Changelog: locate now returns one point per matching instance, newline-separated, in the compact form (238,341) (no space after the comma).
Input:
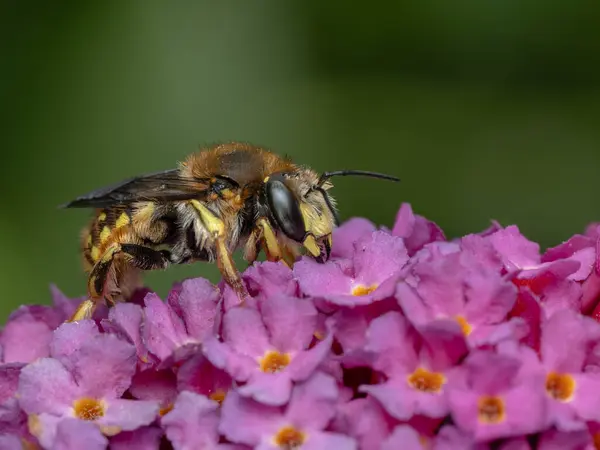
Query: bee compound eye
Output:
(285,209)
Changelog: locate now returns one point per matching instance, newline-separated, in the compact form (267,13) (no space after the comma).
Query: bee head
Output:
(299,212)
(298,205)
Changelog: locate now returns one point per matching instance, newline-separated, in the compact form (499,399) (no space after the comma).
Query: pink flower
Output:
(457,287)
(28,333)
(269,351)
(495,395)
(401,340)
(174,330)
(370,275)
(193,422)
(299,425)
(415,365)
(571,383)
(85,378)
(415,230)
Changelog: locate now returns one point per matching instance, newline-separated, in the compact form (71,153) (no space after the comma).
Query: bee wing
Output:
(164,185)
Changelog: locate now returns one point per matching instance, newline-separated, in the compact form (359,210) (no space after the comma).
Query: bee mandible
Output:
(220,199)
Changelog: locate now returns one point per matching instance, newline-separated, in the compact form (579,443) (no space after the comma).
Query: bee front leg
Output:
(216,228)
(272,247)
(113,265)
(270,243)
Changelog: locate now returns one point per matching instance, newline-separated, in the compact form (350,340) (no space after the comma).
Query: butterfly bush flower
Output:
(370,274)
(300,425)
(403,339)
(176,328)
(496,395)
(269,350)
(84,379)
(415,366)
(572,380)
(458,287)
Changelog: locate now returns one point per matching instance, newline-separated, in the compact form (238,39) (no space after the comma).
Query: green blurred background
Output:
(485,109)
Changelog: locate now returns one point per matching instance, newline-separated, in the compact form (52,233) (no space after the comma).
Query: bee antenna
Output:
(326,175)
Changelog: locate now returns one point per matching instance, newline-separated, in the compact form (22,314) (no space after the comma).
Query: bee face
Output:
(303,213)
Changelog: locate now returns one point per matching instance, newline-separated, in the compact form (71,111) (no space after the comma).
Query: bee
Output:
(223,198)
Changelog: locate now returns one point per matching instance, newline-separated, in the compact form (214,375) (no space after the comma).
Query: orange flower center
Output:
(88,408)
(28,445)
(596,440)
(560,387)
(363,290)
(289,438)
(490,409)
(166,410)
(274,362)
(423,380)
(464,325)
(218,396)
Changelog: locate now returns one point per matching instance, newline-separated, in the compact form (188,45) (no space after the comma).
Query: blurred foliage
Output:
(486,110)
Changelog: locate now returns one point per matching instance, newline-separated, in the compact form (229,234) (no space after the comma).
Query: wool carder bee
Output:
(222,198)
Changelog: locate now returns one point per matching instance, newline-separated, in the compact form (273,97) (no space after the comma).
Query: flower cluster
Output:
(404,339)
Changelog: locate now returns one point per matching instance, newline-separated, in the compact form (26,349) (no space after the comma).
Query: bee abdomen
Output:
(101,231)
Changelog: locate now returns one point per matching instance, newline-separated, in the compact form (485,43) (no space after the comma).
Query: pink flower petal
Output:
(415,230)
(74,434)
(10,442)
(517,251)
(313,403)
(566,337)
(364,420)
(393,343)
(163,331)
(156,385)
(347,234)
(413,307)
(320,440)
(304,363)
(146,438)
(103,366)
(25,339)
(268,388)
(192,423)
(557,440)
(9,380)
(200,376)
(443,345)
(64,305)
(291,322)
(319,280)
(128,415)
(46,386)
(451,438)
(128,318)
(196,303)
(239,367)
(244,331)
(266,279)
(403,437)
(245,421)
(378,257)
(70,337)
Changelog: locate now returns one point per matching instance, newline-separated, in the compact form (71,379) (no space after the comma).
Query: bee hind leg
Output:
(216,228)
(112,269)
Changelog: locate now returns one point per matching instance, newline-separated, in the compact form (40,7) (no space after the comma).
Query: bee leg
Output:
(129,256)
(270,243)
(216,228)
(253,246)
(275,251)
(290,254)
